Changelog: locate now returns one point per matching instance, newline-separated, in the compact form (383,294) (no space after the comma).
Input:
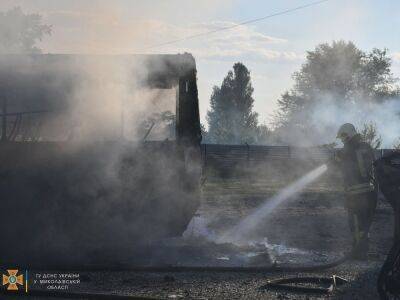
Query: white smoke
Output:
(328,114)
(323,118)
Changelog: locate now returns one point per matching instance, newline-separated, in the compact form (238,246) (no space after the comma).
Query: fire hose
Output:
(266,269)
(388,177)
(286,284)
(279,283)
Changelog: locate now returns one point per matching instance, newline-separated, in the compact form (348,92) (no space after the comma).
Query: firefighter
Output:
(355,161)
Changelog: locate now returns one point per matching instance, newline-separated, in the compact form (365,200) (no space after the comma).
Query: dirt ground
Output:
(309,229)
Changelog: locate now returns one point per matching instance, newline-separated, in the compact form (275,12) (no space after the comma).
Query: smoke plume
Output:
(327,114)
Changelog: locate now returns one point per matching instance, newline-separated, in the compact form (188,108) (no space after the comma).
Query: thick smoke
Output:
(111,101)
(86,98)
(97,182)
(91,183)
(327,114)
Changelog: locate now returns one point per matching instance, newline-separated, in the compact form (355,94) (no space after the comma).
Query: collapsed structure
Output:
(77,188)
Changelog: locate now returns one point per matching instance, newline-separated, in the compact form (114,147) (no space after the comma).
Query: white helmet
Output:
(346,131)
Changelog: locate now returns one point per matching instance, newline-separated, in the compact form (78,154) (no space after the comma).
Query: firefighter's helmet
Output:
(346,131)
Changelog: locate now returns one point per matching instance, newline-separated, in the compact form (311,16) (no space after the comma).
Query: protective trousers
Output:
(361,208)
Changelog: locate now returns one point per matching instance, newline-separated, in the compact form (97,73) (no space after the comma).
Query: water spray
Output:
(239,232)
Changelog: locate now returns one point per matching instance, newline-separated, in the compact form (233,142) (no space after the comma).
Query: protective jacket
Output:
(356,159)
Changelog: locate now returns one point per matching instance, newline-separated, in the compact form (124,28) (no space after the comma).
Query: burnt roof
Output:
(46,80)
(162,70)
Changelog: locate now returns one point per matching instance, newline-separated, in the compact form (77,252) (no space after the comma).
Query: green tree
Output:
(204,134)
(341,71)
(231,118)
(19,32)
(263,134)
(396,144)
(369,134)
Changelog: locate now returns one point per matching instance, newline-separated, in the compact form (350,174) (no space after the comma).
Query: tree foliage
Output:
(396,144)
(231,118)
(341,71)
(369,134)
(19,32)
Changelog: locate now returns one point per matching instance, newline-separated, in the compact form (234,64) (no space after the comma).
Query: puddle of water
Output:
(280,251)
(198,230)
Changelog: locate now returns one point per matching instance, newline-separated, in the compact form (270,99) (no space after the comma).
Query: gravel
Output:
(309,229)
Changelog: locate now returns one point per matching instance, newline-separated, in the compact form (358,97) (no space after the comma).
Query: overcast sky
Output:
(272,49)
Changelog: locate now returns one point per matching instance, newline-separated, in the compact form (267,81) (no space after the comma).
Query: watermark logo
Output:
(12,280)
